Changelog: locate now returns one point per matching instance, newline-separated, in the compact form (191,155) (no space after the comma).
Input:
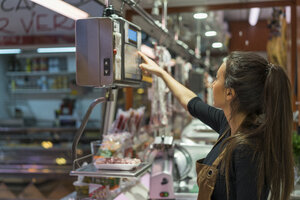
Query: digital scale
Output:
(107,52)
(106,57)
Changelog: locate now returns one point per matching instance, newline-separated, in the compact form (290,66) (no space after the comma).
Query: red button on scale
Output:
(115,51)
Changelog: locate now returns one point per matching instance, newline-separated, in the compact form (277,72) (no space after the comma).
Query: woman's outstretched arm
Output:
(182,94)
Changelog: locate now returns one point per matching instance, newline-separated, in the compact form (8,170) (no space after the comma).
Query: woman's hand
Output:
(149,66)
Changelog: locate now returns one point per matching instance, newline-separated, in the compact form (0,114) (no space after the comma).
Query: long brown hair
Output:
(263,94)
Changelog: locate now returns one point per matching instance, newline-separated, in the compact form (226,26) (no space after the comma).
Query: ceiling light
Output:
(200,15)
(56,50)
(63,8)
(253,16)
(217,45)
(210,33)
(10,51)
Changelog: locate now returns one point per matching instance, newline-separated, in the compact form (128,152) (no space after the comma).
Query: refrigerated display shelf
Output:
(39,91)
(39,73)
(37,147)
(34,170)
(44,129)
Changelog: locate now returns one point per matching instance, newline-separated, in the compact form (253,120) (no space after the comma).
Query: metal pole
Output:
(164,14)
(109,109)
(83,124)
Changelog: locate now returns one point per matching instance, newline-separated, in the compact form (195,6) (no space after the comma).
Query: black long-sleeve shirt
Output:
(243,172)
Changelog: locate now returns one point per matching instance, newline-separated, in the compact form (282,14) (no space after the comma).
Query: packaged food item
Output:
(120,124)
(128,121)
(117,163)
(82,188)
(99,192)
(118,142)
(110,183)
(112,145)
(35,64)
(114,183)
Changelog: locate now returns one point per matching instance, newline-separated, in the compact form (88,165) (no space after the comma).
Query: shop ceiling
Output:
(180,20)
(180,3)
(231,10)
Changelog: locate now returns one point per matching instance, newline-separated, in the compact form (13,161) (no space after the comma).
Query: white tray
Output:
(116,166)
(91,171)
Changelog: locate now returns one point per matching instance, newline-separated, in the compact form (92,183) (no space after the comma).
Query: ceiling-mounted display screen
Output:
(107,53)
(132,35)
(131,65)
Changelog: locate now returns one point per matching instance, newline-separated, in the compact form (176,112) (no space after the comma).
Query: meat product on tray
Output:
(117,163)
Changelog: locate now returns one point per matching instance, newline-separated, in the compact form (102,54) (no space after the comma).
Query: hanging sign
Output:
(24,22)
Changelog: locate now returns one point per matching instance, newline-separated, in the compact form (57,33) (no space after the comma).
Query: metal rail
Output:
(168,40)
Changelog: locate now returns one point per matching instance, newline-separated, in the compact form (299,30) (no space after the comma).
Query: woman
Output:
(253,155)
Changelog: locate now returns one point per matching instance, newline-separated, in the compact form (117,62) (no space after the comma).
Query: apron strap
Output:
(222,136)
(219,158)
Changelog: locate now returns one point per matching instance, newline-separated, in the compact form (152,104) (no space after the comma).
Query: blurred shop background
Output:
(41,107)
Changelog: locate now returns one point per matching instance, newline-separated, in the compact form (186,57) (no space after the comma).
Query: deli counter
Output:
(40,150)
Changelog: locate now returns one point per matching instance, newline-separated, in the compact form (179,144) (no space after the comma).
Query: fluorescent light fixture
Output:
(56,50)
(217,45)
(63,8)
(288,14)
(200,15)
(253,16)
(10,51)
(210,33)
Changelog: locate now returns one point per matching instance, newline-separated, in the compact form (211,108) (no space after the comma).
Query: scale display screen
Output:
(132,35)
(131,65)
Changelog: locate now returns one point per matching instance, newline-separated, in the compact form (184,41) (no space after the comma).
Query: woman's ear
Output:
(230,94)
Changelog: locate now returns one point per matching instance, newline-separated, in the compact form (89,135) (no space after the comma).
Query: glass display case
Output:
(41,149)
